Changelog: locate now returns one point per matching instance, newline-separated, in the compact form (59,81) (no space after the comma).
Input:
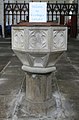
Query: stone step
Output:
(5,42)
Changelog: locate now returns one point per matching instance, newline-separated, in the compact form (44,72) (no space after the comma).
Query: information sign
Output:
(37,12)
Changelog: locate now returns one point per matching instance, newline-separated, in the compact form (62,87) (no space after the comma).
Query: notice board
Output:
(37,12)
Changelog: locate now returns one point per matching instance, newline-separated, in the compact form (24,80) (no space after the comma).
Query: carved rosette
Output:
(18,37)
(59,40)
(38,39)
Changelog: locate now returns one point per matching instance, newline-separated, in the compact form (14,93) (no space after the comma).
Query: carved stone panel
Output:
(59,39)
(37,60)
(38,39)
(18,36)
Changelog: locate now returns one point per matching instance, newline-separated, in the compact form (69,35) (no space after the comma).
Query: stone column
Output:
(39,98)
(78,20)
(2,16)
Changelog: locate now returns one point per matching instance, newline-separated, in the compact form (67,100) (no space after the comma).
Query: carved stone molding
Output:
(38,60)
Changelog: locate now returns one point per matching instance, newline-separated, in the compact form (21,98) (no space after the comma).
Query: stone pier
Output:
(39,93)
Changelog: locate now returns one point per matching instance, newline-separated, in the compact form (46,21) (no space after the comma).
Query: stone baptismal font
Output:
(39,45)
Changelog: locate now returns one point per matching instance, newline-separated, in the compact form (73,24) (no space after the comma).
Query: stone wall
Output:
(1,13)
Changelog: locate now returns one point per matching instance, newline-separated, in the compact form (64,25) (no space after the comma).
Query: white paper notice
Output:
(37,12)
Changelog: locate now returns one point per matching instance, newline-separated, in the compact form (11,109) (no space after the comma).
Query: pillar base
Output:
(41,108)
